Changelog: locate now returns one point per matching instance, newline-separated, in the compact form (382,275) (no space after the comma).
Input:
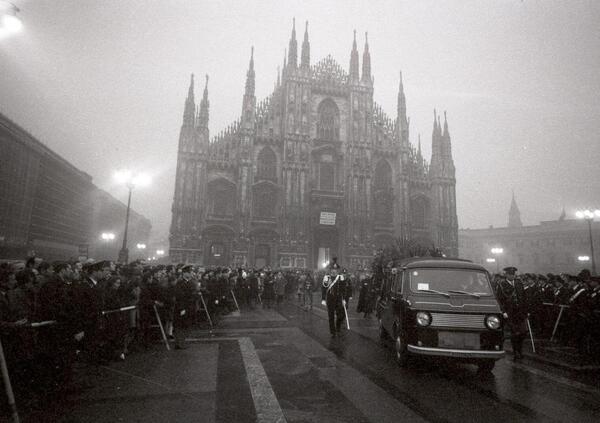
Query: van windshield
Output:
(450,281)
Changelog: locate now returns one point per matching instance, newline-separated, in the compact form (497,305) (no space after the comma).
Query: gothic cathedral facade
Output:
(315,170)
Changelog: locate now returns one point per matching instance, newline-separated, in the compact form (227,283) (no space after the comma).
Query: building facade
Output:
(48,207)
(45,204)
(551,247)
(315,170)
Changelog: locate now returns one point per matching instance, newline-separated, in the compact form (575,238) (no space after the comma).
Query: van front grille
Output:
(466,321)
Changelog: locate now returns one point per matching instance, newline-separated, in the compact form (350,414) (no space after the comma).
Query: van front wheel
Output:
(400,350)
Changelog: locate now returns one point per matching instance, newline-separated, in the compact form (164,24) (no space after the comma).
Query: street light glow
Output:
(141,180)
(107,236)
(141,246)
(587,214)
(490,260)
(497,250)
(9,22)
(160,252)
(126,176)
(583,258)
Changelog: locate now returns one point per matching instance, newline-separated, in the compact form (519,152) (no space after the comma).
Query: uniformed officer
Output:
(185,306)
(334,294)
(512,299)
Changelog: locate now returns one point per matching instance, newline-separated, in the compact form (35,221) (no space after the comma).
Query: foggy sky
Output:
(103,83)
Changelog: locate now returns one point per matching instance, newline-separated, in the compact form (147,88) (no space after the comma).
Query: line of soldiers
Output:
(79,305)
(539,298)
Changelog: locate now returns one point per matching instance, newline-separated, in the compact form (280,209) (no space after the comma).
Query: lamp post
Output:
(130,180)
(497,251)
(588,215)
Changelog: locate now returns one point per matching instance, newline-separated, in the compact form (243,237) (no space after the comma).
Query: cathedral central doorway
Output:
(262,256)
(325,246)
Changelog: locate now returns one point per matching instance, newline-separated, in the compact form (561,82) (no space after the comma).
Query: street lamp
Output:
(141,246)
(497,251)
(589,215)
(130,180)
(9,21)
(160,252)
(583,258)
(490,260)
(107,236)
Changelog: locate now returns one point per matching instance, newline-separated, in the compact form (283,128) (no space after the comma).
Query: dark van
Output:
(442,307)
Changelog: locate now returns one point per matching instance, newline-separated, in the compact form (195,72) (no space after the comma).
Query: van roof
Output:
(440,263)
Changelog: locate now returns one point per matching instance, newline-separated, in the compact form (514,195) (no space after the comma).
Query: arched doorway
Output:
(262,255)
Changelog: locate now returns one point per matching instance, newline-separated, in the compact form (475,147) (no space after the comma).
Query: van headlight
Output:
(423,318)
(493,322)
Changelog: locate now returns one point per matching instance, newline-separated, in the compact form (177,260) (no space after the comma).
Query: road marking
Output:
(265,402)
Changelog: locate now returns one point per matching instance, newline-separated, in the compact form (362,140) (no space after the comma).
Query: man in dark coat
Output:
(512,299)
(335,295)
(185,306)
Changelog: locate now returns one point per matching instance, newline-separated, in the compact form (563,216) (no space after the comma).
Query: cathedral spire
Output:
(203,113)
(354,60)
(250,76)
(563,215)
(401,116)
(190,106)
(249,101)
(366,66)
(514,215)
(278,77)
(293,48)
(446,134)
(305,57)
(419,152)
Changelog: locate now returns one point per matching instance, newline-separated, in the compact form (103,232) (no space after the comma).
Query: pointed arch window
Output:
(266,167)
(383,193)
(419,210)
(264,202)
(328,123)
(221,199)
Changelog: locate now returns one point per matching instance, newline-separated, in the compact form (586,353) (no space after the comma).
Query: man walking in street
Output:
(334,294)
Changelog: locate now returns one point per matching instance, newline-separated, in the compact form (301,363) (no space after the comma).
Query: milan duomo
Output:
(315,170)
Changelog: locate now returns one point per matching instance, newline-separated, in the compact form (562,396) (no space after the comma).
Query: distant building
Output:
(550,247)
(47,205)
(315,170)
(108,216)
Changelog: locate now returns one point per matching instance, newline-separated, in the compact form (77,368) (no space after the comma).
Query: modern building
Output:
(315,170)
(48,207)
(45,203)
(555,246)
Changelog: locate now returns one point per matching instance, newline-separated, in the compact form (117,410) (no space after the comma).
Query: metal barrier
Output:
(560,313)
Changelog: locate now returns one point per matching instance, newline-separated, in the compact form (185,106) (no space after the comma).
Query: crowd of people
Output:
(579,298)
(55,314)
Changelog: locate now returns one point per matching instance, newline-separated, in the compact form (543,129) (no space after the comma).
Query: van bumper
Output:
(446,352)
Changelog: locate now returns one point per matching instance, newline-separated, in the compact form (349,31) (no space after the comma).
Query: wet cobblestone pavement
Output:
(281,365)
